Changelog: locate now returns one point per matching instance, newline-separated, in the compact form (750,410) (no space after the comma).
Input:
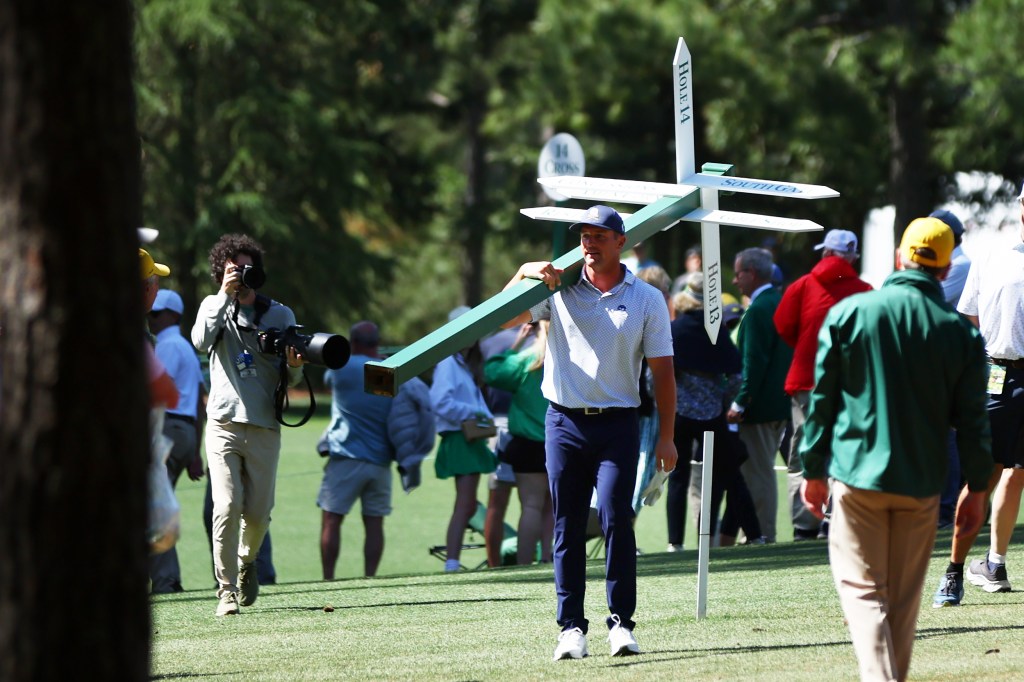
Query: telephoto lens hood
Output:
(330,350)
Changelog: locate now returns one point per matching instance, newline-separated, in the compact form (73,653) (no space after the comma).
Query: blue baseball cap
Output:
(601,216)
(731,312)
(950,219)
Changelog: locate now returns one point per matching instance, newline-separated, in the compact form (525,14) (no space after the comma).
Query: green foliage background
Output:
(381,151)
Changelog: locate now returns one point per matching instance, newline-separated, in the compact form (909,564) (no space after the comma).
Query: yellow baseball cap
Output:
(927,241)
(150,268)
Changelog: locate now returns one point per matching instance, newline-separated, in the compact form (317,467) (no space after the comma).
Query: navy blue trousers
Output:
(583,452)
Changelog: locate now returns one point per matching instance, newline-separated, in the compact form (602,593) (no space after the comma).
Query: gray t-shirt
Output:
(242,379)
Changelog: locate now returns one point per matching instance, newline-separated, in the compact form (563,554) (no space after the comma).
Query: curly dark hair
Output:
(229,246)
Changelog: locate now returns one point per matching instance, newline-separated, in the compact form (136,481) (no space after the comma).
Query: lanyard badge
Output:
(246,364)
(996,379)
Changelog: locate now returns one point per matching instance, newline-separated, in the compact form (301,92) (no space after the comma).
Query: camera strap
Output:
(281,397)
(262,305)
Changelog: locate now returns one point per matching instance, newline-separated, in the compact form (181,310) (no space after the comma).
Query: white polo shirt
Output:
(994,293)
(597,341)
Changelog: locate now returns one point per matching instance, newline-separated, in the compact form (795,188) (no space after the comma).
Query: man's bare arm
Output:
(542,270)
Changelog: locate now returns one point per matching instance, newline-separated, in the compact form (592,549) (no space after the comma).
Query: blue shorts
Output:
(347,480)
(1006,416)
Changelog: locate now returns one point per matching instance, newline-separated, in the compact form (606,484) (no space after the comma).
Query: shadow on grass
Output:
(742,558)
(435,602)
(933,633)
(663,655)
(337,587)
(189,676)
(944,541)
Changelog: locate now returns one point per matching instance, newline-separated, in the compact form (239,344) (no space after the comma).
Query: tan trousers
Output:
(762,441)
(243,474)
(879,545)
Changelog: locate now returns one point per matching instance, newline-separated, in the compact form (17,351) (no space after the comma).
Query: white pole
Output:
(704,543)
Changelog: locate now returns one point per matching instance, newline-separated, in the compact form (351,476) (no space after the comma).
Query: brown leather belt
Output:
(1012,364)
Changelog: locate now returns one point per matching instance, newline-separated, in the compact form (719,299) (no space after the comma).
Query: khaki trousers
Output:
(762,442)
(879,545)
(242,459)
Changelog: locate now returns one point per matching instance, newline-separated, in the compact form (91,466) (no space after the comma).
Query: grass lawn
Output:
(772,610)
(418,520)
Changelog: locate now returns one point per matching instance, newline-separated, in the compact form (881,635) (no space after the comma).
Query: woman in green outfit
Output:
(520,373)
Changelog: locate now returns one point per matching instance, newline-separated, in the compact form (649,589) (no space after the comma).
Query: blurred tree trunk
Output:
(73,430)
(473,224)
(182,245)
(911,172)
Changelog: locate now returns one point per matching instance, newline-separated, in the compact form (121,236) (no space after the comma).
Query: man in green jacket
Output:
(762,406)
(896,368)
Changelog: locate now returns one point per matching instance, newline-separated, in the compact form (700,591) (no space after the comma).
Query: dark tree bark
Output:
(911,175)
(473,224)
(73,425)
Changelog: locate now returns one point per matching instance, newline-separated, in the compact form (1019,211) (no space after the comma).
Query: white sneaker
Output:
(674,548)
(228,604)
(622,640)
(572,643)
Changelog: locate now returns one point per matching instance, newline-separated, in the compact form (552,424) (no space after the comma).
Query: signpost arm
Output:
(683,89)
(711,257)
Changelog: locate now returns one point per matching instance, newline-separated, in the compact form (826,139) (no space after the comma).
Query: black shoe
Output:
(804,534)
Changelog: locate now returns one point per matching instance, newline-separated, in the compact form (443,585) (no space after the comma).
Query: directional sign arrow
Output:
(607,189)
(711,260)
(755,220)
(561,215)
(682,87)
(777,188)
(643,192)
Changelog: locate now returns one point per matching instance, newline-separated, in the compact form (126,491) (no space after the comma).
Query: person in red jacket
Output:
(798,320)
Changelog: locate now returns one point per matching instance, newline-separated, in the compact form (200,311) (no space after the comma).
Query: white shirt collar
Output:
(757,291)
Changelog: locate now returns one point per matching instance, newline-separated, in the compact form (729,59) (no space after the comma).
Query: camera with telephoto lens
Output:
(253,276)
(330,350)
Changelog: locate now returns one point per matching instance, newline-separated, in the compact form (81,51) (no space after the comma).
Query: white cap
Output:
(841,241)
(147,234)
(168,300)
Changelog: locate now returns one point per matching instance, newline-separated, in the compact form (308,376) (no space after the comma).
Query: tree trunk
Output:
(474,219)
(73,423)
(910,168)
(184,250)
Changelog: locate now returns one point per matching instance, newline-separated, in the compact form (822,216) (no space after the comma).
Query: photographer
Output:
(243,436)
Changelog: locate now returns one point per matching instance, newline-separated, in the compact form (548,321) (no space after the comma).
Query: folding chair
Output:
(474,539)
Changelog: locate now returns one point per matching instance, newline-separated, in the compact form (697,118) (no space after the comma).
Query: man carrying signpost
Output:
(693,197)
(602,327)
